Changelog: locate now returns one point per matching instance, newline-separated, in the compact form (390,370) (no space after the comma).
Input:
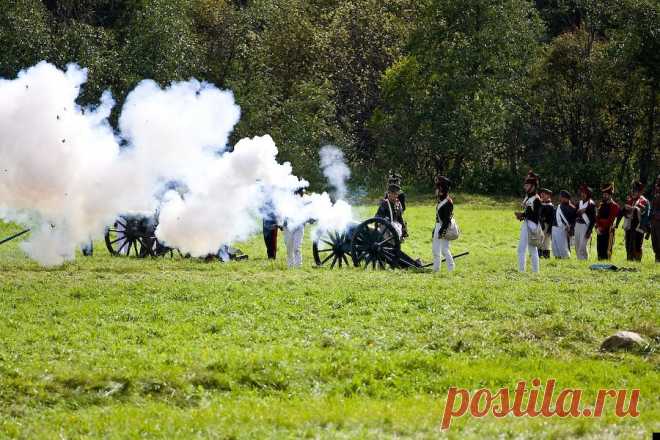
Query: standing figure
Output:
(633,214)
(395,179)
(293,239)
(270,227)
(547,214)
(606,215)
(584,223)
(390,208)
(563,225)
(444,211)
(87,249)
(530,230)
(655,219)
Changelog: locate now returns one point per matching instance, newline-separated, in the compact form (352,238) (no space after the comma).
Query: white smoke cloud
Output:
(63,173)
(55,160)
(335,169)
(225,200)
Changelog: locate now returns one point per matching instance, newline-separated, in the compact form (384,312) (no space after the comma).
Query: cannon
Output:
(136,235)
(373,243)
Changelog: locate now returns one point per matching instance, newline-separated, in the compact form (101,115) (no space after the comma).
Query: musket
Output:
(453,256)
(14,236)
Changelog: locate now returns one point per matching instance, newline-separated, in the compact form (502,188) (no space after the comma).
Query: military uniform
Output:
(530,218)
(270,227)
(394,213)
(563,224)
(545,218)
(444,211)
(395,179)
(633,213)
(293,238)
(584,223)
(606,215)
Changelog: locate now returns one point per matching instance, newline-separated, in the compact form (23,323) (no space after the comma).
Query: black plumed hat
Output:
(533,178)
(586,189)
(442,184)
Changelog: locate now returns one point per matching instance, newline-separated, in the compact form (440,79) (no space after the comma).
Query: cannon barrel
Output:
(14,236)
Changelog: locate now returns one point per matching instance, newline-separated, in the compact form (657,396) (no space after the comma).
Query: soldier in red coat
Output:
(633,214)
(606,215)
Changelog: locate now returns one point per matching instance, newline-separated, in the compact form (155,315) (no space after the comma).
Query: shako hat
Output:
(393,187)
(586,189)
(607,188)
(532,178)
(393,178)
(442,182)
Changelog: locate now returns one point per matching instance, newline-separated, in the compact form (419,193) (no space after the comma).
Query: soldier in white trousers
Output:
(545,221)
(584,223)
(443,214)
(562,226)
(530,229)
(293,239)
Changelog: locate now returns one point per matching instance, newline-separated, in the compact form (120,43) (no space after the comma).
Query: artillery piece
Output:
(374,242)
(135,234)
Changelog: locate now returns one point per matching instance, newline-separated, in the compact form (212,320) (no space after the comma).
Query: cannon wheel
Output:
(376,243)
(333,248)
(124,238)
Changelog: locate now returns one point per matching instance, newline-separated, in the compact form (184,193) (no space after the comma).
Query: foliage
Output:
(25,35)
(595,100)
(476,89)
(461,86)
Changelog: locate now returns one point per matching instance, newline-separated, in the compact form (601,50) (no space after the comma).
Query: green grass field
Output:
(159,348)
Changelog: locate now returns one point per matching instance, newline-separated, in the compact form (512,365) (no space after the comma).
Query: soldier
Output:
(655,219)
(87,249)
(293,238)
(584,223)
(270,227)
(444,212)
(633,213)
(390,208)
(530,231)
(563,225)
(547,214)
(607,213)
(395,179)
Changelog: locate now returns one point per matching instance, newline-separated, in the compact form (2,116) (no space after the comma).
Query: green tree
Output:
(159,42)
(25,35)
(463,83)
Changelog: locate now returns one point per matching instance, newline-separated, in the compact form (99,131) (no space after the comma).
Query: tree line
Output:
(478,90)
